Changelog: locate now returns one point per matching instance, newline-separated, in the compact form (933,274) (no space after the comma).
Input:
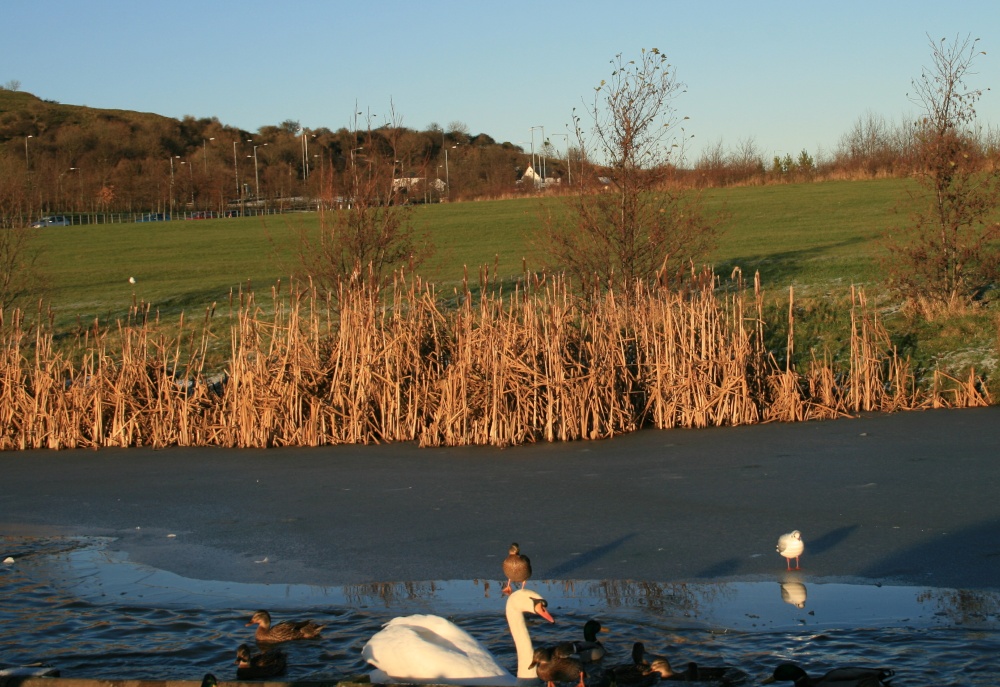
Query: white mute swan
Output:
(428,648)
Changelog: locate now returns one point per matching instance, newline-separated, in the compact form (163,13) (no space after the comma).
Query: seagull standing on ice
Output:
(790,546)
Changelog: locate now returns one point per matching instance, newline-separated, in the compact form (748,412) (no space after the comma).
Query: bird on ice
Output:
(790,546)
(517,568)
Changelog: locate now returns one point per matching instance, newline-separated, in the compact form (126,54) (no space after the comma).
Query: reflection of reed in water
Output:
(663,598)
(389,593)
(963,606)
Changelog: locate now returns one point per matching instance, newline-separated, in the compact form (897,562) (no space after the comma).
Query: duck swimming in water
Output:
(838,677)
(282,632)
(551,668)
(634,674)
(250,666)
(589,650)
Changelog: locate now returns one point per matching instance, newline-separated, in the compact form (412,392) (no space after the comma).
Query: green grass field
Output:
(809,235)
(818,238)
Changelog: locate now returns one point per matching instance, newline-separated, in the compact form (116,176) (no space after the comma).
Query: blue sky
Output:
(791,75)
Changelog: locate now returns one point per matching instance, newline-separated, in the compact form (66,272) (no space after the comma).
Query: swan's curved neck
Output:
(522,642)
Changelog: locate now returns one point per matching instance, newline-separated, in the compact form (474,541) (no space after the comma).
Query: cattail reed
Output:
(504,366)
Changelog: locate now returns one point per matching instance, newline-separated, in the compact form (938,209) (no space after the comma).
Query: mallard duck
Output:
(428,648)
(209,681)
(790,546)
(282,632)
(634,674)
(718,675)
(552,669)
(266,664)
(838,677)
(644,659)
(517,568)
(589,650)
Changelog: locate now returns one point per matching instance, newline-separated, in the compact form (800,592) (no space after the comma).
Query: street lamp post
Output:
(543,154)
(71,169)
(236,171)
(522,144)
(569,168)
(204,151)
(533,169)
(27,163)
(305,156)
(447,176)
(256,174)
(322,175)
(171,210)
(190,169)
(354,173)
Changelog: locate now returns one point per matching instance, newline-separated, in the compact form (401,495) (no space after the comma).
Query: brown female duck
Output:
(552,669)
(660,667)
(517,568)
(250,666)
(282,632)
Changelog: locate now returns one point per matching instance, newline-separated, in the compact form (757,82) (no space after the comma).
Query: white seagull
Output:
(790,546)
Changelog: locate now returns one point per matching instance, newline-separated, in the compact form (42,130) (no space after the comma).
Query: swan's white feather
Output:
(428,648)
(431,648)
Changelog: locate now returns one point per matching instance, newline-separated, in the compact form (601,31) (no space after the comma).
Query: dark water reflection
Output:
(75,605)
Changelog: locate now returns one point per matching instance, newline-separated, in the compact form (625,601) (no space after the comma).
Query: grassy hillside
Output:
(812,235)
(22,114)
(819,238)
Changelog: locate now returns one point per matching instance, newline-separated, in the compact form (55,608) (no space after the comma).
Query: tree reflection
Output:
(389,593)
(963,606)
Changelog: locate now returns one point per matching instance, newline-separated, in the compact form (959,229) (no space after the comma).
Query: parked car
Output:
(52,221)
(155,217)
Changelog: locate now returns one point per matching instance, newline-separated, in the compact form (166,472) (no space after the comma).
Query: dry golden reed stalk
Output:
(536,363)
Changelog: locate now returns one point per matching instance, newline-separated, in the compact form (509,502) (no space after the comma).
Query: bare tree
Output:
(628,220)
(711,165)
(868,146)
(370,233)
(747,161)
(19,253)
(949,250)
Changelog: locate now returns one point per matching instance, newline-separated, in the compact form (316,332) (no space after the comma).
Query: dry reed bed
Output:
(534,364)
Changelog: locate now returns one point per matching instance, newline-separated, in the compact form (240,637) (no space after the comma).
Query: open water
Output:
(79,606)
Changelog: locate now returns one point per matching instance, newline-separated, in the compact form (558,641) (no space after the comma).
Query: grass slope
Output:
(819,238)
(805,234)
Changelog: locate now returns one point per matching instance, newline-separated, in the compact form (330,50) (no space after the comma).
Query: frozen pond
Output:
(78,605)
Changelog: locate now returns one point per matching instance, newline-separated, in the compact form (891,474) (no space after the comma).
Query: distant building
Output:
(409,183)
(531,176)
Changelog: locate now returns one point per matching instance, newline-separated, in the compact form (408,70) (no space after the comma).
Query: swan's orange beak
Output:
(541,610)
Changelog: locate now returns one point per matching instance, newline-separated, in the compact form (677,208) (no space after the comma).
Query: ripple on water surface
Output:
(76,605)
